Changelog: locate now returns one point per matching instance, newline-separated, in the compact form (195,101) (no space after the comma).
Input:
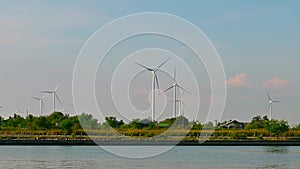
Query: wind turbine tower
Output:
(271,101)
(175,85)
(153,82)
(53,92)
(41,100)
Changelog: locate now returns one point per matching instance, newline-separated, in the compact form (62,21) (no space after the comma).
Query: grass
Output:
(160,134)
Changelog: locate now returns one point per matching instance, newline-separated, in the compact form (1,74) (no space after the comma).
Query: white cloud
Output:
(275,83)
(238,80)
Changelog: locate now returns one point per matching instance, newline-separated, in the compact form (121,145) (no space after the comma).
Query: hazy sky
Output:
(258,42)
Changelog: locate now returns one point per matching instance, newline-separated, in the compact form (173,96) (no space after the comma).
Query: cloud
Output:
(239,80)
(275,83)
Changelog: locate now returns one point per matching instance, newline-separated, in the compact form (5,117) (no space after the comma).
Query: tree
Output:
(297,127)
(1,120)
(138,124)
(66,125)
(208,126)
(56,118)
(197,125)
(29,121)
(87,121)
(41,123)
(113,122)
(277,127)
(16,121)
(181,121)
(169,121)
(257,122)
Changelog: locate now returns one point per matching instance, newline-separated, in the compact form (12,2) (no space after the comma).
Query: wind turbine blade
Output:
(168,89)
(56,88)
(174,77)
(46,91)
(36,98)
(276,101)
(144,66)
(44,96)
(156,79)
(43,106)
(183,89)
(162,64)
(58,100)
(269,97)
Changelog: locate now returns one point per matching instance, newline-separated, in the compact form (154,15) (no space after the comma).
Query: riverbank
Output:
(150,143)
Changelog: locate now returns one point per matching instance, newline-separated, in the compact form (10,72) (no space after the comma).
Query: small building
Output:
(233,124)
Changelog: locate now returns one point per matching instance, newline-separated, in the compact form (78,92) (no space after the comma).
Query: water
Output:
(179,157)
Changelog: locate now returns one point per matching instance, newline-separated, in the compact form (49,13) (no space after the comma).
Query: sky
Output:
(257,41)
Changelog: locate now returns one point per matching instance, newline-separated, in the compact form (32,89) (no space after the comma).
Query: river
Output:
(181,157)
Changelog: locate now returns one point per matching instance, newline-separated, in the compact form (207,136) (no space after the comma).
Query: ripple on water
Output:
(178,158)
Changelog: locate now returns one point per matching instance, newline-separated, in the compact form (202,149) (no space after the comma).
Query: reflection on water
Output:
(276,166)
(277,149)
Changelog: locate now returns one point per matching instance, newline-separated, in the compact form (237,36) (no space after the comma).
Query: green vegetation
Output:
(297,127)
(277,127)
(58,125)
(54,122)
(257,122)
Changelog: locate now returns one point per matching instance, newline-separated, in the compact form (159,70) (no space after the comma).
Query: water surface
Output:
(187,157)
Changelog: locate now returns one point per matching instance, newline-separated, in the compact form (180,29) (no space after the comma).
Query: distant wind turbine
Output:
(154,81)
(181,105)
(41,100)
(175,85)
(270,105)
(53,92)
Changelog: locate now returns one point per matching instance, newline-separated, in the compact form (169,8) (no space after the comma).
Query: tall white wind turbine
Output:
(41,100)
(154,81)
(53,92)
(270,105)
(175,85)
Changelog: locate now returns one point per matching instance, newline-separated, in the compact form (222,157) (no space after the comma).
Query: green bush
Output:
(239,136)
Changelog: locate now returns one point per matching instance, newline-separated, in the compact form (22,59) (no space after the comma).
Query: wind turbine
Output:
(41,100)
(154,81)
(270,104)
(181,105)
(53,92)
(175,85)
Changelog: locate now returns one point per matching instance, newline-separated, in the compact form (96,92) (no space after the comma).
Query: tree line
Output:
(72,124)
